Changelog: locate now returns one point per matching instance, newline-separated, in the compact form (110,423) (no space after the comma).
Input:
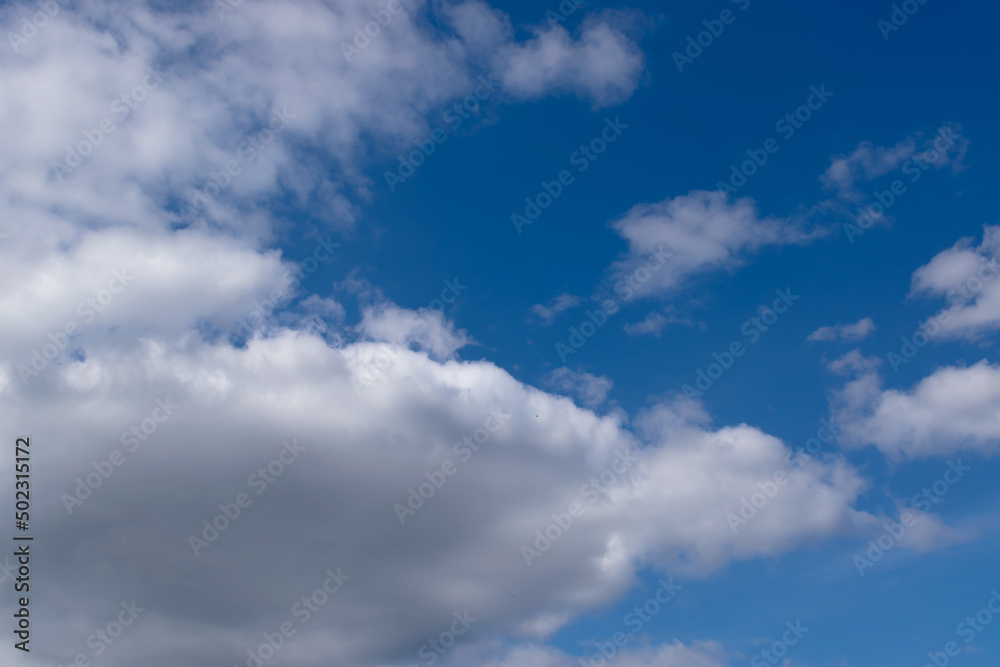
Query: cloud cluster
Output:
(154,294)
(363,453)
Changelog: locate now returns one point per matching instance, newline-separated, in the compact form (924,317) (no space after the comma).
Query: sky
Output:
(395,333)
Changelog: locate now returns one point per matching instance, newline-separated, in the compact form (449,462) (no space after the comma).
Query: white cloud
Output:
(483,28)
(654,323)
(323,307)
(853,362)
(601,64)
(426,328)
(557,305)
(364,451)
(930,533)
(966,275)
(867,162)
(952,410)
(706,231)
(200,114)
(590,389)
(849,332)
(123,284)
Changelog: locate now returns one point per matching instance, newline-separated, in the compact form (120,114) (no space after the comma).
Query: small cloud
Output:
(655,323)
(849,332)
(853,362)
(695,234)
(557,305)
(867,162)
(324,307)
(590,389)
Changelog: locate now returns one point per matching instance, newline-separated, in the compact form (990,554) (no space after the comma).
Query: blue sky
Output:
(434,304)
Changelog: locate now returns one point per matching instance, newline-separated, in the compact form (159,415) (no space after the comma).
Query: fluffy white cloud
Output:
(602,63)
(849,332)
(121,284)
(966,275)
(705,231)
(590,389)
(426,328)
(954,409)
(148,136)
(336,505)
